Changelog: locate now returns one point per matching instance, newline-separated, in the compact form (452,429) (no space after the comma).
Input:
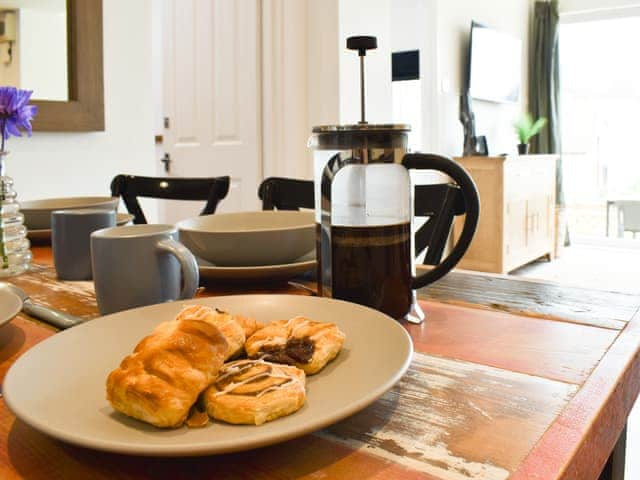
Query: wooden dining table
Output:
(510,378)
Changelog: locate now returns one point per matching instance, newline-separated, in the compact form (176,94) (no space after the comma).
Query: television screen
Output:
(495,65)
(405,65)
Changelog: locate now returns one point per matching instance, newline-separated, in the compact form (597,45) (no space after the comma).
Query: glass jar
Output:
(15,255)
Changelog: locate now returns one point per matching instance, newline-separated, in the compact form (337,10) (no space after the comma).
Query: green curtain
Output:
(544,83)
(544,88)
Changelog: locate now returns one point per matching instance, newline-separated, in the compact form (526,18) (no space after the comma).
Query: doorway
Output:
(600,104)
(208,98)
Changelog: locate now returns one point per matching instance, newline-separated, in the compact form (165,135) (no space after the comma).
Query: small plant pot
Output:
(523,148)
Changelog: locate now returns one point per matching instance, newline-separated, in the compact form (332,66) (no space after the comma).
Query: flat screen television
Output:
(494,65)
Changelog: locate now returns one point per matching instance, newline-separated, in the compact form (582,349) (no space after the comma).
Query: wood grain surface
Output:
(541,394)
(579,441)
(556,350)
(456,420)
(533,298)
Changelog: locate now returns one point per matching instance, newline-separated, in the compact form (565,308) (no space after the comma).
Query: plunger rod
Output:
(362,44)
(362,112)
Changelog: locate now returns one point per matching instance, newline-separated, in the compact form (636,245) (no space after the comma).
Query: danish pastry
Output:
(254,392)
(235,328)
(302,342)
(229,327)
(160,381)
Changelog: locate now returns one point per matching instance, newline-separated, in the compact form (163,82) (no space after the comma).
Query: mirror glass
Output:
(33,47)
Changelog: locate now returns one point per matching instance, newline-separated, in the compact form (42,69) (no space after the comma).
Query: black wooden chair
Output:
(129,187)
(278,193)
(440,202)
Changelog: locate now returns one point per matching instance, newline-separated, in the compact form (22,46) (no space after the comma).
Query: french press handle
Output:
(428,161)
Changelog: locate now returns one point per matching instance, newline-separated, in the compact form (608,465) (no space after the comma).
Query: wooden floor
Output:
(590,266)
(607,268)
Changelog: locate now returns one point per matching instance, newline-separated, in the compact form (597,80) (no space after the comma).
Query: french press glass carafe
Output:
(364,208)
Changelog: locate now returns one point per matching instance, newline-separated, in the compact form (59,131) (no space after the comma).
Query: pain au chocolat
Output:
(253,392)
(302,342)
(167,371)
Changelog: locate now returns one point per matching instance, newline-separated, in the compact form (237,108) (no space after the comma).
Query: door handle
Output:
(167,162)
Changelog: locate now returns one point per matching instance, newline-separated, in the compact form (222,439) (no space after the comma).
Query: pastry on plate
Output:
(254,392)
(302,342)
(235,328)
(249,325)
(163,377)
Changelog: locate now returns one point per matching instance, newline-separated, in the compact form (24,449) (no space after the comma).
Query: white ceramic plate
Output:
(37,213)
(10,306)
(58,386)
(262,273)
(45,234)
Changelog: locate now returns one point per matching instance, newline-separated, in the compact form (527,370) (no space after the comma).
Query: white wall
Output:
(323,78)
(492,119)
(300,80)
(78,164)
(414,27)
(440,30)
(365,17)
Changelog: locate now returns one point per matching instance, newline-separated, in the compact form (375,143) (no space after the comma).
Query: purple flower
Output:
(15,114)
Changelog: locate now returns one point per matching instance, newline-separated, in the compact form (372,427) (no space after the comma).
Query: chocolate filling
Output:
(297,350)
(197,417)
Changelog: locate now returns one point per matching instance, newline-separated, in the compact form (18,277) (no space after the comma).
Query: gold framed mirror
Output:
(54,47)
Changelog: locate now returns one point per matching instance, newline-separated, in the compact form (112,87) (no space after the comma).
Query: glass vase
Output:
(15,255)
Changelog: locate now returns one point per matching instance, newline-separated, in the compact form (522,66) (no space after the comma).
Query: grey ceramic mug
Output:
(140,265)
(70,239)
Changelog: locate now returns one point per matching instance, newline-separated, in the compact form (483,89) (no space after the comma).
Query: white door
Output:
(211,85)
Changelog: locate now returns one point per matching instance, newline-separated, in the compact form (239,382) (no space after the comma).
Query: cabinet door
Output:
(540,223)
(542,206)
(516,221)
(529,210)
(516,231)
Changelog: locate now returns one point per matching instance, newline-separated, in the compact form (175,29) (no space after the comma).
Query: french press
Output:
(364,208)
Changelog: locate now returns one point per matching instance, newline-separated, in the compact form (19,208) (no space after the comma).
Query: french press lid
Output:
(361,134)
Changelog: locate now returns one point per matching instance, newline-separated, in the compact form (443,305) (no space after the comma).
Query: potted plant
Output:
(527,128)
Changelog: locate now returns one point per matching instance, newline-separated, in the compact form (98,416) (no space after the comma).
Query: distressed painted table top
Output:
(511,379)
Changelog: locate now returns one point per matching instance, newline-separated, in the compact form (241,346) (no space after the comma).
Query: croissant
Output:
(161,380)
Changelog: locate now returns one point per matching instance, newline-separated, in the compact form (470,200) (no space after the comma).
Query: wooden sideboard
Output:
(517,211)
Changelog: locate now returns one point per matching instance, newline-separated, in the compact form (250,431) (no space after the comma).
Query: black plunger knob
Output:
(362,44)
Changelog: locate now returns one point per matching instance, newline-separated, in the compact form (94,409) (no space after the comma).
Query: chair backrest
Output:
(129,187)
(440,202)
(630,211)
(279,193)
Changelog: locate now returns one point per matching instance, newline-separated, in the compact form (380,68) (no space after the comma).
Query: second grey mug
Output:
(140,265)
(70,239)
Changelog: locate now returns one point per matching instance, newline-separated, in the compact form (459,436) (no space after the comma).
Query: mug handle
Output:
(429,161)
(188,264)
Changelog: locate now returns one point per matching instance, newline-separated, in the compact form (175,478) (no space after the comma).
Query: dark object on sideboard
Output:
(473,146)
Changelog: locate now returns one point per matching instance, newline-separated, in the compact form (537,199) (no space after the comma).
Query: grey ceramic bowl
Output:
(37,213)
(250,238)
